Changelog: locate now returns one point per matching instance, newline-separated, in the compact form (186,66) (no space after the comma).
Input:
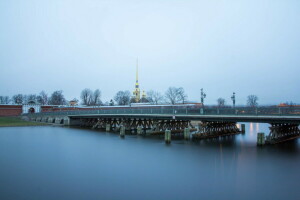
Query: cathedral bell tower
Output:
(137,92)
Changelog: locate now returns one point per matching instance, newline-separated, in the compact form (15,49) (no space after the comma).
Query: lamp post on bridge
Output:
(203,96)
(233,99)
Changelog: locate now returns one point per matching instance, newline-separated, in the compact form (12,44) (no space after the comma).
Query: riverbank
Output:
(17,121)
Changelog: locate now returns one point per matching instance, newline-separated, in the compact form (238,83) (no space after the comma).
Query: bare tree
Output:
(42,98)
(221,102)
(174,95)
(86,96)
(252,100)
(25,98)
(96,98)
(90,98)
(171,95)
(290,104)
(150,96)
(122,97)
(31,98)
(133,100)
(158,98)
(39,100)
(7,100)
(182,96)
(4,100)
(18,99)
(57,98)
(154,97)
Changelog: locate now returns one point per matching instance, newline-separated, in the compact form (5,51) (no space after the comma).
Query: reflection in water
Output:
(254,131)
(254,128)
(251,129)
(67,163)
(221,158)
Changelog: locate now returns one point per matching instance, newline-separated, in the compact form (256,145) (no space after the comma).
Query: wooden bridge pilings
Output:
(282,128)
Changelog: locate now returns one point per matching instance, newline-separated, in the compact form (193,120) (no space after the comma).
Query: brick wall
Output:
(10,110)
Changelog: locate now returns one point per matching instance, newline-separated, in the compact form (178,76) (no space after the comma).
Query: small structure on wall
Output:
(31,107)
(73,102)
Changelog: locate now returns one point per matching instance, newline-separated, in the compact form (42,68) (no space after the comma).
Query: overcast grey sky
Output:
(250,47)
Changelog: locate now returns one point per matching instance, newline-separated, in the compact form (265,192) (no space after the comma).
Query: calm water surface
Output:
(68,163)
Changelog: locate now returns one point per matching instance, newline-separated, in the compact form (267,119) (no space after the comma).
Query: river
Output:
(51,162)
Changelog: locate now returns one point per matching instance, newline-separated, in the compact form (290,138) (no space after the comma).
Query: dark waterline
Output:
(68,163)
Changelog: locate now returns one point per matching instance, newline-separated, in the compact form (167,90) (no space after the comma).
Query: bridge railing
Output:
(184,111)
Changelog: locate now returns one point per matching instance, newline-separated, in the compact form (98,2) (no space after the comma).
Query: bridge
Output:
(181,122)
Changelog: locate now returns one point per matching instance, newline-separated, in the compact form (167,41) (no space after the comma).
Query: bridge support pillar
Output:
(44,119)
(243,129)
(50,119)
(168,136)
(280,132)
(139,130)
(122,131)
(199,127)
(57,120)
(186,133)
(107,127)
(260,138)
(66,121)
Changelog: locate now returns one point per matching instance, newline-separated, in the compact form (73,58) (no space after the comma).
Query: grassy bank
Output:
(17,121)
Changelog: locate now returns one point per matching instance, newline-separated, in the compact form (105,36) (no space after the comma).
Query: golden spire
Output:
(137,70)
(136,92)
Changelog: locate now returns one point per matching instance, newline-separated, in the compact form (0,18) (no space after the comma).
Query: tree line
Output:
(93,98)
(56,98)
(173,95)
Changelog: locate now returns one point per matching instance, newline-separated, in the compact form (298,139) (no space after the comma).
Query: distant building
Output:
(282,105)
(73,102)
(288,105)
(136,98)
(31,107)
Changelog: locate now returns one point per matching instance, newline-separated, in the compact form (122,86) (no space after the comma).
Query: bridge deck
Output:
(233,118)
(238,114)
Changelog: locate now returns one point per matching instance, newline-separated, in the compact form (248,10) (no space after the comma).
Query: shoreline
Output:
(5,126)
(17,121)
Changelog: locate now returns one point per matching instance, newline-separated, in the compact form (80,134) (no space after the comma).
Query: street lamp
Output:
(203,96)
(233,99)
